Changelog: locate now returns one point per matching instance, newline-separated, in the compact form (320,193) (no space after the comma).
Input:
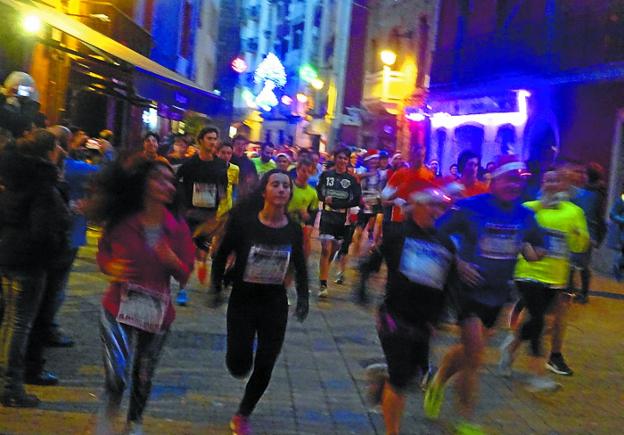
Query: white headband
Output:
(508,167)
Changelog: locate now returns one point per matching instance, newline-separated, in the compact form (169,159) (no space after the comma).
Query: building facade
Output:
(311,40)
(399,42)
(127,66)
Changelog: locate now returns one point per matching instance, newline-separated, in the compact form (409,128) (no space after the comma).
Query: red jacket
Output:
(127,241)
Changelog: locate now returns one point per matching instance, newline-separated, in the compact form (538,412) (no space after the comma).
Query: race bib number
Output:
(204,195)
(142,308)
(425,263)
(500,242)
(556,244)
(267,264)
(338,194)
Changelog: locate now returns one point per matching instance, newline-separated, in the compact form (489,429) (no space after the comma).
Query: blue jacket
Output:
(77,173)
(492,234)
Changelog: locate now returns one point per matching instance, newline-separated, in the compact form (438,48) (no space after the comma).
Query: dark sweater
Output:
(35,220)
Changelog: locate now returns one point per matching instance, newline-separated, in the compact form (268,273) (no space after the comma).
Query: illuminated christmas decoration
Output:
(317,84)
(239,65)
(286,100)
(307,73)
(271,69)
(302,98)
(271,74)
(266,99)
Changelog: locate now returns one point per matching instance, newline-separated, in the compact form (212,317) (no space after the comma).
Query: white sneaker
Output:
(542,384)
(323,294)
(506,358)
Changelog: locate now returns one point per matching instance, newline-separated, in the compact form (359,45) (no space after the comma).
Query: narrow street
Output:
(318,385)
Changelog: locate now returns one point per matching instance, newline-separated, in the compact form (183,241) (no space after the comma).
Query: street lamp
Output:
(32,23)
(388,57)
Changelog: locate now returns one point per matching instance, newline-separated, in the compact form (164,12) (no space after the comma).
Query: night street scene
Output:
(311,217)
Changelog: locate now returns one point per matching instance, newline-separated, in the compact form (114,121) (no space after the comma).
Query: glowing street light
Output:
(32,23)
(388,57)
(317,84)
(302,98)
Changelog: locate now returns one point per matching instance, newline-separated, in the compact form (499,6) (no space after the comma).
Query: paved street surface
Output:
(318,385)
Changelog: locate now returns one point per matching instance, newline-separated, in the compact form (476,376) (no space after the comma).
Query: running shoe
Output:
(541,384)
(182,298)
(134,428)
(506,358)
(339,278)
(434,397)
(19,400)
(323,294)
(557,364)
(376,375)
(466,428)
(240,425)
(427,378)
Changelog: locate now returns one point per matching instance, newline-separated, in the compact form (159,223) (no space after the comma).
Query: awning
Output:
(152,81)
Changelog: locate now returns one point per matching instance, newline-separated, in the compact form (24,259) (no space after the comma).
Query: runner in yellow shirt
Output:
(542,282)
(303,206)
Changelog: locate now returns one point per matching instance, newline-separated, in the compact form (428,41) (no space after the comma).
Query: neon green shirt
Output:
(565,230)
(304,198)
(226,204)
(261,167)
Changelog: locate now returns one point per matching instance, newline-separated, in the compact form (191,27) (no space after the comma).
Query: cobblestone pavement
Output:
(318,384)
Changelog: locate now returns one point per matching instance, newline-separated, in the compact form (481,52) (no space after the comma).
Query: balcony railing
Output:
(121,27)
(535,48)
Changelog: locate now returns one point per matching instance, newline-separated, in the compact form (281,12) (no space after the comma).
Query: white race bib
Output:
(425,263)
(204,195)
(142,308)
(556,244)
(267,264)
(500,242)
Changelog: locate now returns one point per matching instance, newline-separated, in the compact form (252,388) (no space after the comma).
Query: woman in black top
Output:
(265,243)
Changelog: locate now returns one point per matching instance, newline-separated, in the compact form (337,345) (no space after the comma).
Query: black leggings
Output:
(538,298)
(248,316)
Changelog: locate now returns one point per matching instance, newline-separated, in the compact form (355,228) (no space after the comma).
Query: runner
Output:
(420,260)
(144,245)
(265,243)
(203,184)
(468,164)
(338,191)
(540,282)
(494,228)
(265,162)
(372,184)
(303,206)
(248,177)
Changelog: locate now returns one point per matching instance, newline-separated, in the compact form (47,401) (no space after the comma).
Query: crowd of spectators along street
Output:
(187,197)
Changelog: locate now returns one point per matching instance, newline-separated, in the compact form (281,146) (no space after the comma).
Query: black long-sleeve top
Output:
(263,256)
(343,188)
(421,264)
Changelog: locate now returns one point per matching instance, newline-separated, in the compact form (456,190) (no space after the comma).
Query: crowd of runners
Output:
(459,247)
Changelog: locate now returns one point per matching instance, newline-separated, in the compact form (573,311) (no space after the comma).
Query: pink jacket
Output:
(127,241)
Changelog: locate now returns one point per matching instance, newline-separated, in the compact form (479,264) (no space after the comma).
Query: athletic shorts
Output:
(363,219)
(405,345)
(348,238)
(581,260)
(332,226)
(469,308)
